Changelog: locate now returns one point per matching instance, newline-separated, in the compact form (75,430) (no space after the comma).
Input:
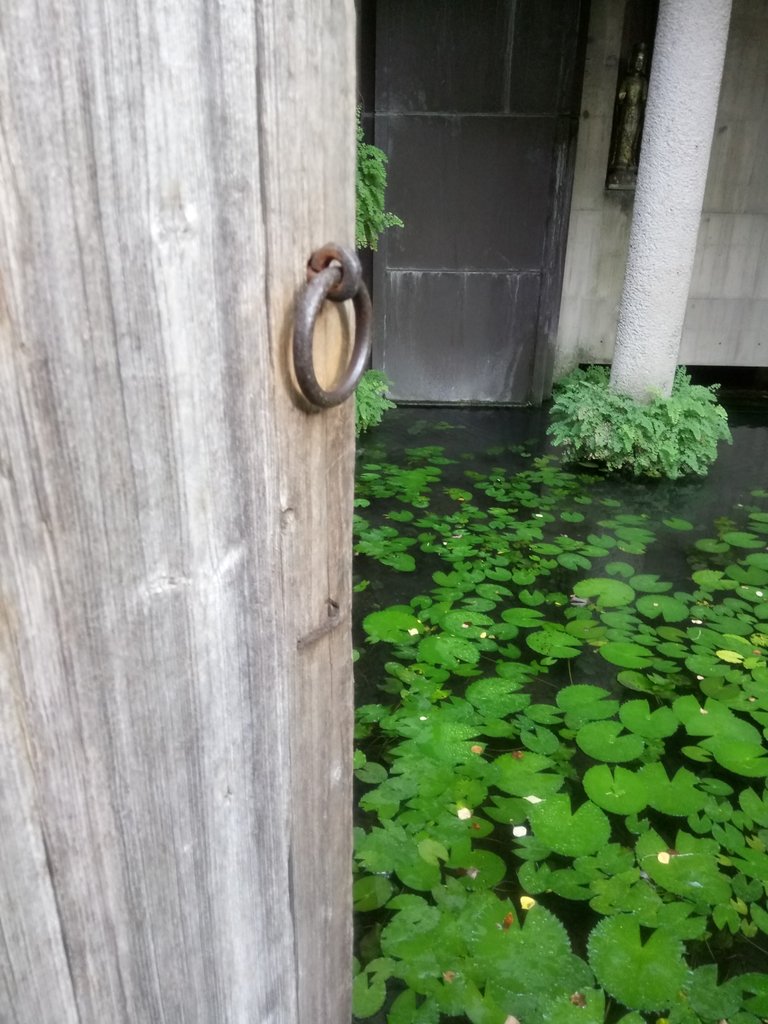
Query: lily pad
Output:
(554,643)
(646,974)
(677,524)
(638,717)
(689,870)
(448,651)
(617,790)
(649,583)
(522,616)
(676,796)
(608,593)
(709,999)
(571,833)
(395,625)
(371,892)
(368,994)
(742,539)
(626,654)
(655,606)
(607,741)
(497,697)
(525,773)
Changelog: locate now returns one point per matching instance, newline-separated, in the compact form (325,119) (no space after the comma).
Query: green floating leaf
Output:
(754,806)
(615,789)
(620,569)
(742,539)
(711,546)
(431,851)
(637,717)
(534,961)
(606,741)
(585,629)
(585,703)
(467,624)
(395,625)
(493,591)
(371,892)
(635,681)
(574,834)
(411,930)
(400,561)
(554,643)
(522,616)
(689,870)
(756,985)
(525,774)
(497,697)
(571,560)
(587,1007)
(710,1000)
(641,975)
(368,995)
(735,743)
(677,796)
(677,524)
(607,593)
(759,916)
(649,583)
(580,696)
(712,579)
(738,756)
(404,1010)
(655,606)
(482,869)
(626,654)
(448,651)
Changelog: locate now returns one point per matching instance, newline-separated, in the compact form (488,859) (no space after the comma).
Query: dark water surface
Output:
(480,440)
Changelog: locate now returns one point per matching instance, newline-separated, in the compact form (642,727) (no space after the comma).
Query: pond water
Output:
(562,695)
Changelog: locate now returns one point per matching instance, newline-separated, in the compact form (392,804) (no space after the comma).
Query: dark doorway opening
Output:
(476,103)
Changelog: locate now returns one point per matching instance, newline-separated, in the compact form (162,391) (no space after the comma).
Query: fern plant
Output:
(371,218)
(370,400)
(667,437)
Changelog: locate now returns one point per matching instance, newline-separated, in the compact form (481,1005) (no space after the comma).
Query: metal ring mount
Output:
(332,273)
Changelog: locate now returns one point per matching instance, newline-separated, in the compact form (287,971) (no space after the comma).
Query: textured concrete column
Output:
(688,57)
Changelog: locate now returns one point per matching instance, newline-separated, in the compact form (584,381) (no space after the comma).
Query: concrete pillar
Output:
(688,57)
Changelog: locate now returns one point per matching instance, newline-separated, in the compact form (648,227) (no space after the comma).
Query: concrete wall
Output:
(728,304)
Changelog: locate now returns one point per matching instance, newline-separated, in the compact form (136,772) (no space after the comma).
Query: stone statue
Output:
(630,102)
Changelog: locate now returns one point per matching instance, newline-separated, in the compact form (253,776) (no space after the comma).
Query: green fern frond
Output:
(667,437)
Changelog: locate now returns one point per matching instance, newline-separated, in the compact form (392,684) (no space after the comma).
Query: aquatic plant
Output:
(564,811)
(666,437)
(371,400)
(371,216)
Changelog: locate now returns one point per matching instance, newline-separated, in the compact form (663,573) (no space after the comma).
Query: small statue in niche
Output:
(628,123)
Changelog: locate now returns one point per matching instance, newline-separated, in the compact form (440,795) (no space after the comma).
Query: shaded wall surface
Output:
(728,303)
(476,105)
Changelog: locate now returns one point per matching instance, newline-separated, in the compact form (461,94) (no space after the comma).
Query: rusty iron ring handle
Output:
(332,273)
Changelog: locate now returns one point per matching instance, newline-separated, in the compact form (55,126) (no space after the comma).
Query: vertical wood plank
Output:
(177,764)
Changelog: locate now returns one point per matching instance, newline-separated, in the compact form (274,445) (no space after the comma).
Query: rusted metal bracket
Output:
(334,618)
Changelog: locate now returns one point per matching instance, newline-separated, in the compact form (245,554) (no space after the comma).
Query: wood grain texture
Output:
(175,766)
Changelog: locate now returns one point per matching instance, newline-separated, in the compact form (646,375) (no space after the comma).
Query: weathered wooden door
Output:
(476,104)
(175,657)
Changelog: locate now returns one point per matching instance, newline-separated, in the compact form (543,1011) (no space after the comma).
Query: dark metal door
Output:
(477,108)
